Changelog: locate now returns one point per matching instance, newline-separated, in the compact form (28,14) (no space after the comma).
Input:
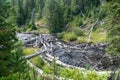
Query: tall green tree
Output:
(40,6)
(21,17)
(54,13)
(26,13)
(10,50)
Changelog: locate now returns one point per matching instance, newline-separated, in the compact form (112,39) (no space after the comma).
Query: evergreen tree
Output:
(21,17)
(40,7)
(13,2)
(54,15)
(10,51)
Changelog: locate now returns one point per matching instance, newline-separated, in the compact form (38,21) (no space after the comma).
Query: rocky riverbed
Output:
(86,55)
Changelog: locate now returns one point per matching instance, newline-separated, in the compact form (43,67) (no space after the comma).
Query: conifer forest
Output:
(59,39)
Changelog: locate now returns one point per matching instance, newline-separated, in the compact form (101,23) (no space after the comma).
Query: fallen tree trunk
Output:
(51,58)
(68,53)
(33,55)
(40,72)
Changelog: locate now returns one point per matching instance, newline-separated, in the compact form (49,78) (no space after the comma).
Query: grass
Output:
(44,31)
(78,31)
(42,21)
(38,61)
(42,26)
(29,50)
(69,36)
(77,21)
(78,35)
(97,37)
(81,40)
(77,74)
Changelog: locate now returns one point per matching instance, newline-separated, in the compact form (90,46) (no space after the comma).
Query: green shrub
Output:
(30,50)
(70,36)
(77,74)
(78,21)
(60,35)
(114,47)
(114,41)
(97,37)
(37,61)
(92,75)
(29,75)
(11,77)
(78,31)
(81,40)
(102,14)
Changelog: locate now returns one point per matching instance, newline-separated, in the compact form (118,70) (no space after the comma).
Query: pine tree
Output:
(21,17)
(54,15)
(40,7)
(10,49)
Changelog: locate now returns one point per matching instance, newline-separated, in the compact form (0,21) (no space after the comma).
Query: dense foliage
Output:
(114,31)
(54,15)
(76,20)
(10,49)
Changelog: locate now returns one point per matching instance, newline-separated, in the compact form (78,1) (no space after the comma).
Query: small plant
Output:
(77,74)
(77,21)
(81,40)
(14,76)
(61,35)
(38,62)
(30,50)
(47,69)
(78,31)
(70,36)
(101,14)
(96,39)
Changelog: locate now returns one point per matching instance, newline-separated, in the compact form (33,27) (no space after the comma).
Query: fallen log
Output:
(51,58)
(36,68)
(68,53)
(32,55)
(40,72)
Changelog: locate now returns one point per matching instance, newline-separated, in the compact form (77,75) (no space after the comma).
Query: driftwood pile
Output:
(85,55)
